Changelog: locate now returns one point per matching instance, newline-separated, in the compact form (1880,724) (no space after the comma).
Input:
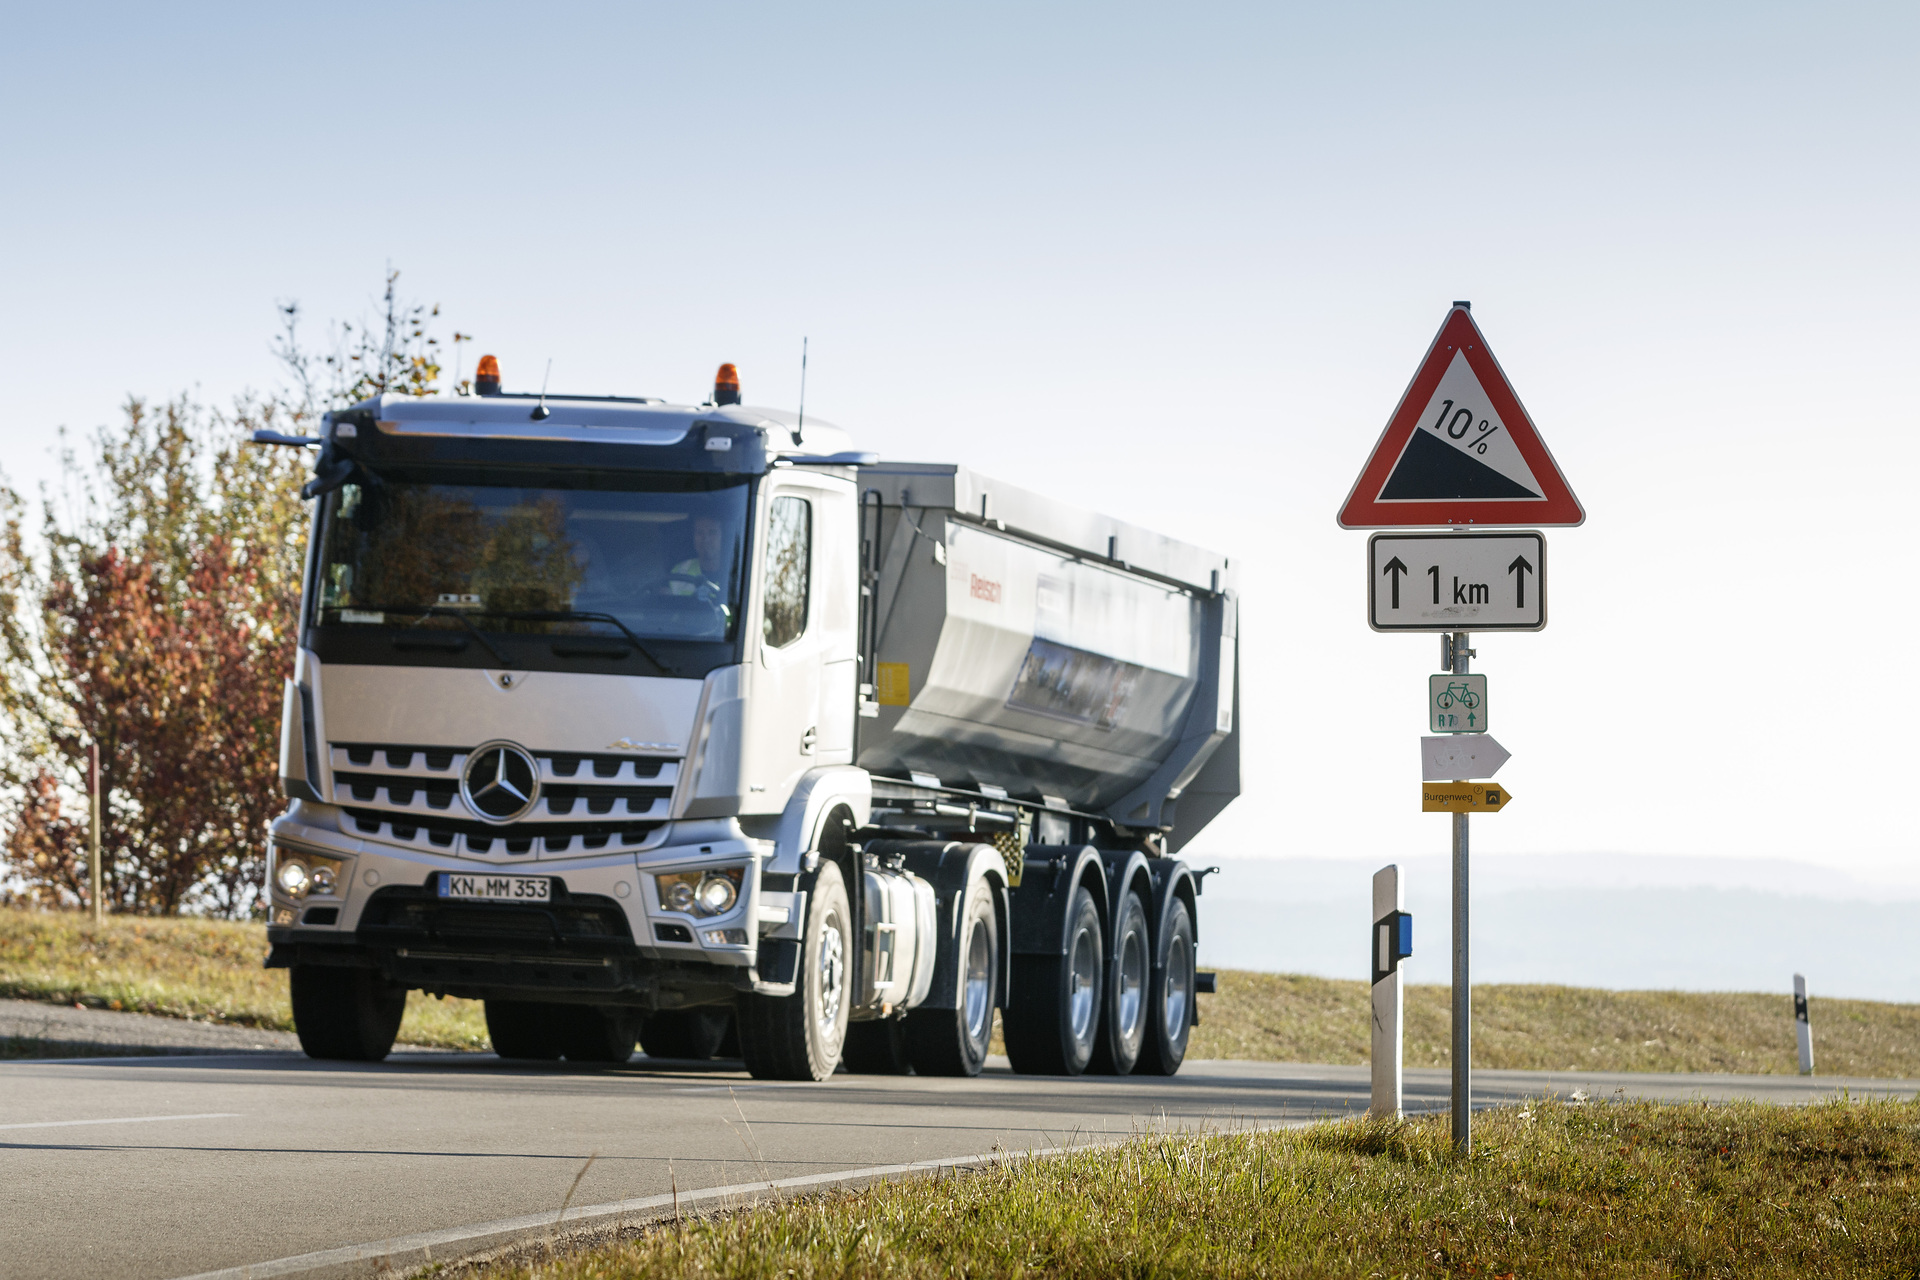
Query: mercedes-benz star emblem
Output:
(501,782)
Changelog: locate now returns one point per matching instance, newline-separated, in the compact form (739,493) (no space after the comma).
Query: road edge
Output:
(454,1245)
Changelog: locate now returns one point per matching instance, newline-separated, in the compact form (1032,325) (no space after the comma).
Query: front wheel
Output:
(798,1037)
(346,1015)
(596,1035)
(1170,1008)
(953,1042)
(523,1030)
(694,1035)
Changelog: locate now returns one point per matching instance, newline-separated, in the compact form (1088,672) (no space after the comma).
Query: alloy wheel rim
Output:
(1131,1001)
(1082,976)
(979,987)
(1178,982)
(832,973)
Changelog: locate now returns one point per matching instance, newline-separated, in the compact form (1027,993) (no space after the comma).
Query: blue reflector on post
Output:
(1406,935)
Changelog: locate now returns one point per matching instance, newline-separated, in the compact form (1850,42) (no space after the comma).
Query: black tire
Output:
(524,1030)
(1053,1017)
(953,1042)
(1123,1014)
(591,1034)
(799,1037)
(1170,1009)
(691,1035)
(346,1015)
(877,1048)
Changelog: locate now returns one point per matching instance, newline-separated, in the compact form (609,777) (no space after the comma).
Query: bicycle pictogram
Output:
(1456,692)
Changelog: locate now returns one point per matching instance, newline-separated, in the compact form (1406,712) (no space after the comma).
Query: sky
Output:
(1176,263)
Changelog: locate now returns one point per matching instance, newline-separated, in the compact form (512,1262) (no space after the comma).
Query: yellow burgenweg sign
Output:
(1463,797)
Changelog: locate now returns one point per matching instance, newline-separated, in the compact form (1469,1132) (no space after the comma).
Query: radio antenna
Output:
(540,411)
(800,426)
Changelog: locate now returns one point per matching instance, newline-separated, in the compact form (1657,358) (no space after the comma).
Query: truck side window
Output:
(789,566)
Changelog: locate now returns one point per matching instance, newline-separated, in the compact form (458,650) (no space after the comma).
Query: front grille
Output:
(410,794)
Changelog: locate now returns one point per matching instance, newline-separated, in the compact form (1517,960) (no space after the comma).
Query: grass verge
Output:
(183,968)
(1292,1018)
(1615,1189)
(210,970)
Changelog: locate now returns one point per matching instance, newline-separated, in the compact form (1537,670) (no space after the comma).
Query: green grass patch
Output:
(1614,1189)
(208,970)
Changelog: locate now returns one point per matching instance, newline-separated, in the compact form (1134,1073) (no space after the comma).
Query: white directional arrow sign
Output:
(1461,758)
(1457,581)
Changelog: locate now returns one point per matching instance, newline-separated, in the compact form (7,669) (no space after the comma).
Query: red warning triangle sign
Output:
(1459,449)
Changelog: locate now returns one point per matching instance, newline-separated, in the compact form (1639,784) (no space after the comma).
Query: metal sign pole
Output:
(1462,993)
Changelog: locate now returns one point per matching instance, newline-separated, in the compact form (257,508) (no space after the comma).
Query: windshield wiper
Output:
(465,619)
(580,615)
(460,615)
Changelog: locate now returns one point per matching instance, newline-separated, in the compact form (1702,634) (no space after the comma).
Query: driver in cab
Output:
(701,575)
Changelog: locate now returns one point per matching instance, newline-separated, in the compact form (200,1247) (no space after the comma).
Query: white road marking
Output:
(62,1124)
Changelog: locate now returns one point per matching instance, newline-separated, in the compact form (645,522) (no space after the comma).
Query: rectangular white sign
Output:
(1457,581)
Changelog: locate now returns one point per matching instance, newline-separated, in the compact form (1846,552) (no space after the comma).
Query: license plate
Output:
(496,888)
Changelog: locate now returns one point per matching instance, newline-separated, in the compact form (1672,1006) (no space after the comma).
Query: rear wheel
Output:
(799,1037)
(877,1048)
(953,1042)
(524,1030)
(347,1015)
(1170,998)
(1053,1017)
(691,1034)
(1123,1020)
(600,1035)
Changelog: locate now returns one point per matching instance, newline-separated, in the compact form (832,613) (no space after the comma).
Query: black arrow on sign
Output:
(1395,569)
(1521,569)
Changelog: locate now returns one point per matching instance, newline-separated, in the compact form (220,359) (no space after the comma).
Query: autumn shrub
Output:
(152,611)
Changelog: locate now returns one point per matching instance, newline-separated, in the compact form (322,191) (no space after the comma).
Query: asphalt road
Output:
(166,1167)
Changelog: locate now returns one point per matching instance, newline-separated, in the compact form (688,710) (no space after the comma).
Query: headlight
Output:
(298,874)
(293,878)
(709,892)
(716,894)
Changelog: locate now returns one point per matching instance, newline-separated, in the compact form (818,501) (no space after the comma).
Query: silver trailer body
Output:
(924,734)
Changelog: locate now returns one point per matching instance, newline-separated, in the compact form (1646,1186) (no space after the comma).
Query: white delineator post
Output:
(1800,1024)
(1390,944)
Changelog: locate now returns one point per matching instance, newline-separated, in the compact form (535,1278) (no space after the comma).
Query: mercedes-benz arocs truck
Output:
(692,725)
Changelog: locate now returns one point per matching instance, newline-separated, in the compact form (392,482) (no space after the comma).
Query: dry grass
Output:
(1288,1018)
(1615,1189)
(204,969)
(210,969)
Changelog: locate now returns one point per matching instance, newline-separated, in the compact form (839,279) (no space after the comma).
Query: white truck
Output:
(691,725)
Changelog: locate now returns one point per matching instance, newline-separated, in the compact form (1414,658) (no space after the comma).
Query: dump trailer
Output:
(691,725)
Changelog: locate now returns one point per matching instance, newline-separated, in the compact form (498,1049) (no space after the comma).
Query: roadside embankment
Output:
(209,971)
(1551,1189)
(204,970)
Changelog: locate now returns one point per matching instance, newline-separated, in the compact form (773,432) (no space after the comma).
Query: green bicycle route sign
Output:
(1457,704)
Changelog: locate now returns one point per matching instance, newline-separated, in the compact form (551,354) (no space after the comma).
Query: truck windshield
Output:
(666,561)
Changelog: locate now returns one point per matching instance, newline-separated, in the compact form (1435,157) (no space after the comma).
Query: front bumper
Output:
(602,938)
